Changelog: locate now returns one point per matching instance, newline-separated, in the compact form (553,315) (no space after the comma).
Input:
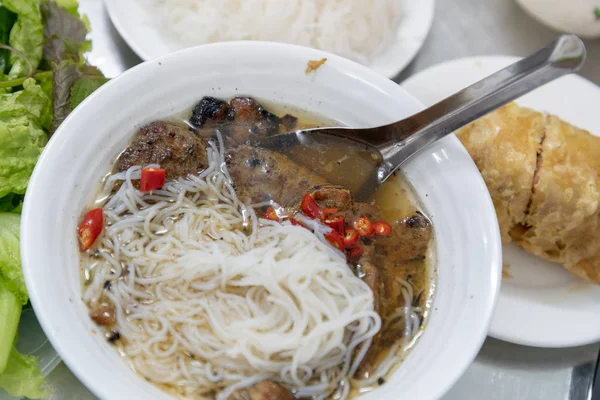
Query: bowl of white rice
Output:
(384,35)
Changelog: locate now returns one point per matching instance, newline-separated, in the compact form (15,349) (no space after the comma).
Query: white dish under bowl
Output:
(466,232)
(540,304)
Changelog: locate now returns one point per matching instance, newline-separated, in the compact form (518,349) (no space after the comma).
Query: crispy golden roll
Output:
(556,216)
(504,145)
(563,220)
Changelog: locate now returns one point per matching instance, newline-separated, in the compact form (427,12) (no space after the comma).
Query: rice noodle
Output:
(207,306)
(356,29)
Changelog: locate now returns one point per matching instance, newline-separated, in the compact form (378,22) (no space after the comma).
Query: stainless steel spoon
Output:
(396,143)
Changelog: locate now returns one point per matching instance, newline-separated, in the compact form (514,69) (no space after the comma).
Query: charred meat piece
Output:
(104,315)
(177,150)
(265,390)
(372,277)
(208,108)
(340,198)
(370,272)
(244,109)
(409,241)
(250,120)
(289,122)
(242,119)
(268,390)
(333,197)
(261,175)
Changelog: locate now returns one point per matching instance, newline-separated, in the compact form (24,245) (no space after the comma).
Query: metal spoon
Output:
(398,142)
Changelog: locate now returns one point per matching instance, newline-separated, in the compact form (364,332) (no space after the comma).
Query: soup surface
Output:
(223,270)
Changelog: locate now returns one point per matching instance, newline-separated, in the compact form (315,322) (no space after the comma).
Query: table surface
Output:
(461,28)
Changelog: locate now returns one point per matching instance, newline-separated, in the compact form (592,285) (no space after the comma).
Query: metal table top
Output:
(461,28)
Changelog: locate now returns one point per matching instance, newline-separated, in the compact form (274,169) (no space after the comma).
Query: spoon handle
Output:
(563,56)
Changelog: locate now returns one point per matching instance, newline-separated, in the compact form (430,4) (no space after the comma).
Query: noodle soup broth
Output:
(216,277)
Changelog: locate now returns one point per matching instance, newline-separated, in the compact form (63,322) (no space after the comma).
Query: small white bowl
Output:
(87,143)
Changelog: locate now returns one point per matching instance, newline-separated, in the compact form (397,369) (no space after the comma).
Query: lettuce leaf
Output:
(10,313)
(21,143)
(19,375)
(31,102)
(13,293)
(70,5)
(10,257)
(11,203)
(46,85)
(23,377)
(43,34)
(26,36)
(22,116)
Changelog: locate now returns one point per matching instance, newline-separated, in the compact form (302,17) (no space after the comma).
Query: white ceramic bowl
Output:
(84,148)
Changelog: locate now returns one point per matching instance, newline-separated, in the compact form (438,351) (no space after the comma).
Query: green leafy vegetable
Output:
(64,33)
(12,83)
(23,377)
(11,203)
(10,257)
(70,5)
(7,20)
(10,312)
(597,12)
(45,82)
(21,143)
(43,76)
(13,293)
(31,102)
(19,375)
(22,116)
(26,37)
(72,85)
(85,86)
(27,8)
(65,75)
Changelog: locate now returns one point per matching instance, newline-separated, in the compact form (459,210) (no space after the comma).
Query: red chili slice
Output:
(309,207)
(351,238)
(336,223)
(90,228)
(382,228)
(363,226)
(152,179)
(327,211)
(295,222)
(355,254)
(336,240)
(271,214)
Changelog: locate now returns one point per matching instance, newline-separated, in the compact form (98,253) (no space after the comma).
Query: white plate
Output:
(134,23)
(542,304)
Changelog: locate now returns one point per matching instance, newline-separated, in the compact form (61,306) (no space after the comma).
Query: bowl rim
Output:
(363,74)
